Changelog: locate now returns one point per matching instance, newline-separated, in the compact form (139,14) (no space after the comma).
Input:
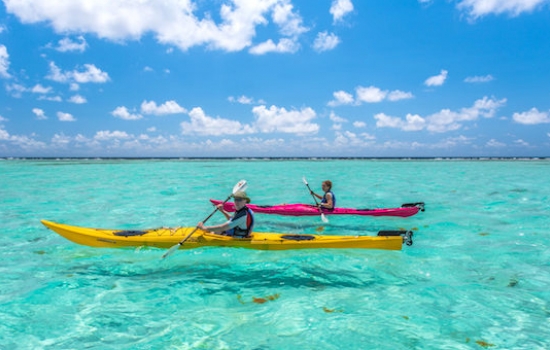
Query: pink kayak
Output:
(407,209)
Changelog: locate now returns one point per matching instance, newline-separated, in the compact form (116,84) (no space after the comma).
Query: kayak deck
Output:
(298,209)
(168,237)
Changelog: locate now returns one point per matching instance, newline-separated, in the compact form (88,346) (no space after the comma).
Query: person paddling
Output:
(239,225)
(328,200)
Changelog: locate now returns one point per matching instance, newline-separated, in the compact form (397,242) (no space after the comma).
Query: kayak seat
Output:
(129,233)
(298,237)
(420,205)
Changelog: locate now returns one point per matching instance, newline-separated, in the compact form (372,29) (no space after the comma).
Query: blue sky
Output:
(198,78)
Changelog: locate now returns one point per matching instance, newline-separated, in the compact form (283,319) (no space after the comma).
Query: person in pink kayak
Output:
(240,224)
(328,200)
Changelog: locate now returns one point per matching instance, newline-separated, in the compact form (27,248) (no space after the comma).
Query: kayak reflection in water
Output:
(238,225)
(328,200)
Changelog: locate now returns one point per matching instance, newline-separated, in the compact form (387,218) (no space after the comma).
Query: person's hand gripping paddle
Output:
(323,217)
(240,186)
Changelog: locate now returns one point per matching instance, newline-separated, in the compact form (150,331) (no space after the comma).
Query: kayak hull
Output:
(168,237)
(297,209)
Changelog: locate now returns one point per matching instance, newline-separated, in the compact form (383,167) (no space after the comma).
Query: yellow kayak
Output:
(168,237)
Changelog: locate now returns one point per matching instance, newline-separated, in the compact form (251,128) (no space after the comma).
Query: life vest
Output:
(239,232)
(324,200)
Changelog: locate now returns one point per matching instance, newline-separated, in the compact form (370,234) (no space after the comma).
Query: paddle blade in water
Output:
(171,251)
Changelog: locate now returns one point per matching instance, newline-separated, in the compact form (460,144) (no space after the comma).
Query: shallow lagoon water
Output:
(477,275)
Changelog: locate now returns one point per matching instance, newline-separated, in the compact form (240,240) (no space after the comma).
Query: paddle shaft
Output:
(316,203)
(240,186)
(208,217)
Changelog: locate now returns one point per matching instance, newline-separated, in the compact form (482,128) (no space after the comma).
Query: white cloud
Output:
(290,23)
(447,120)
(340,8)
(202,124)
(444,120)
(66,44)
(2,119)
(16,90)
(285,45)
(495,144)
(341,98)
(77,99)
(65,117)
(412,122)
(242,100)
(370,94)
(480,8)
(532,117)
(39,89)
(521,142)
(106,135)
(359,124)
(123,113)
(337,119)
(4,135)
(172,22)
(397,95)
(60,140)
(325,42)
(437,80)
(479,79)
(277,119)
(91,74)
(168,107)
(40,115)
(4,62)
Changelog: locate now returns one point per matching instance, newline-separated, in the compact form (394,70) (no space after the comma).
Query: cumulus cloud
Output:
(285,45)
(444,120)
(90,74)
(336,118)
(66,45)
(340,8)
(479,79)
(106,135)
(397,95)
(168,107)
(493,143)
(278,119)
(532,117)
(369,94)
(412,122)
(123,113)
(341,98)
(65,117)
(479,8)
(325,41)
(172,22)
(40,115)
(437,80)
(77,99)
(39,89)
(4,62)
(201,124)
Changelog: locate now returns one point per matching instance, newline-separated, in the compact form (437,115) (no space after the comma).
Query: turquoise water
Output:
(477,275)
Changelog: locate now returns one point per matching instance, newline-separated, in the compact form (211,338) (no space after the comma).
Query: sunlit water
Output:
(477,275)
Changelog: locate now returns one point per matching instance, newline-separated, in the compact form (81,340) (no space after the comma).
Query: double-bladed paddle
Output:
(240,186)
(323,217)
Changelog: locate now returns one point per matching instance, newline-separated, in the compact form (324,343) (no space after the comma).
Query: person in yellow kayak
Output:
(239,225)
(328,200)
